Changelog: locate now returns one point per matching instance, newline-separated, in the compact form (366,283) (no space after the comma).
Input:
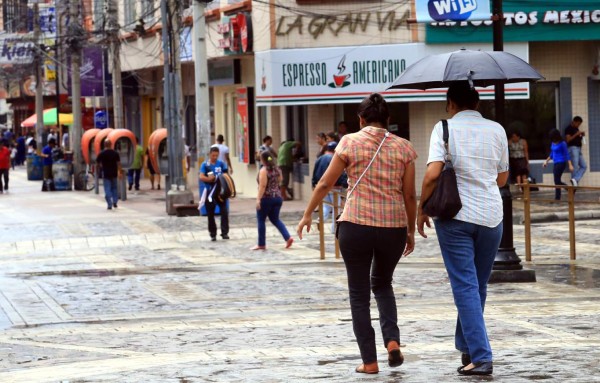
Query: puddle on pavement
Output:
(579,276)
(109,273)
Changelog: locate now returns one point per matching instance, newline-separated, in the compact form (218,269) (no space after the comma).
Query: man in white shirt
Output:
(223,152)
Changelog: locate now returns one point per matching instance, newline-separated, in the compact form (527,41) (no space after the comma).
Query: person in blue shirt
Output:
(321,166)
(47,159)
(209,173)
(559,153)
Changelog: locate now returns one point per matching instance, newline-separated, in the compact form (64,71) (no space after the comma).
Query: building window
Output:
(533,118)
(99,15)
(148,10)
(14,14)
(129,14)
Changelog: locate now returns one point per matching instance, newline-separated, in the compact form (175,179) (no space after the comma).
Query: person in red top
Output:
(4,165)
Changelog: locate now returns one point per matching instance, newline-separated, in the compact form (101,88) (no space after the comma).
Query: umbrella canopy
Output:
(49,119)
(482,68)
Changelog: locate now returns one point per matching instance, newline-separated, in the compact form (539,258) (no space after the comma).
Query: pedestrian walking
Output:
(135,171)
(560,154)
(285,162)
(223,152)
(321,139)
(518,153)
(469,242)
(152,171)
(21,150)
(575,139)
(13,155)
(31,144)
(47,163)
(269,202)
(209,173)
(4,165)
(109,166)
(321,166)
(377,225)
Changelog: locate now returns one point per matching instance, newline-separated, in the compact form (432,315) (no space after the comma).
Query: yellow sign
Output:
(49,70)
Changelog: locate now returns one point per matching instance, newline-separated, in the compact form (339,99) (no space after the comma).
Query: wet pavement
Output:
(88,295)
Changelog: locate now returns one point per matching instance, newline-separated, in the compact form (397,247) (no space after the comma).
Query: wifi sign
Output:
(454,10)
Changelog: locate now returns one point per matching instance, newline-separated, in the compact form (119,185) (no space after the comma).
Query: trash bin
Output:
(63,176)
(35,168)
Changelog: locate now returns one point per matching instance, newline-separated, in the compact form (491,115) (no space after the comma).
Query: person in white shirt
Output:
(223,152)
(469,242)
(52,135)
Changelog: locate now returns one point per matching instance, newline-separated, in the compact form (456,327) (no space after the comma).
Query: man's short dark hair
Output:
(577,119)
(463,95)
(267,138)
(52,141)
(214,149)
(220,138)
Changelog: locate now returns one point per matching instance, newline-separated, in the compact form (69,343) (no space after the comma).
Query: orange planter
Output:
(101,136)
(156,150)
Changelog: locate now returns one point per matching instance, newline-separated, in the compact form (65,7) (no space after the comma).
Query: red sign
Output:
(242,127)
(244,22)
(234,35)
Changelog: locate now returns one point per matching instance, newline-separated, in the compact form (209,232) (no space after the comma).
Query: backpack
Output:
(225,187)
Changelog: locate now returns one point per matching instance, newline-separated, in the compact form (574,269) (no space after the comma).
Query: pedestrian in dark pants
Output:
(377,225)
(134,172)
(109,165)
(269,201)
(4,165)
(209,173)
(47,161)
(560,154)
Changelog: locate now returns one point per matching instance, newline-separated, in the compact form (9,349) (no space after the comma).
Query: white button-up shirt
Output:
(479,150)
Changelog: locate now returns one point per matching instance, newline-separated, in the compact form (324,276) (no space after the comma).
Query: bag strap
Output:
(387,134)
(446,137)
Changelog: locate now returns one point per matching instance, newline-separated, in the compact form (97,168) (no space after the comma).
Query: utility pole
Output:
(39,80)
(75,41)
(114,49)
(203,140)
(176,188)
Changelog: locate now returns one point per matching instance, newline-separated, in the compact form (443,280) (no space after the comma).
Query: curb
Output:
(519,219)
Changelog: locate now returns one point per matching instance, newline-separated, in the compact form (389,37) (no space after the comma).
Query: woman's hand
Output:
(423,219)
(545,163)
(306,221)
(410,244)
(257,204)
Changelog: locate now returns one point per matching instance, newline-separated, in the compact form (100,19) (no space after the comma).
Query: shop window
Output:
(297,128)
(533,118)
(398,118)
(148,10)
(99,15)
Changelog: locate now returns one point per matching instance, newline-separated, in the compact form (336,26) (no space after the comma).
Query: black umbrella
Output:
(481,68)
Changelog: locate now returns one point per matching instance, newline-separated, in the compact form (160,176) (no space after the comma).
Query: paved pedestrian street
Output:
(132,295)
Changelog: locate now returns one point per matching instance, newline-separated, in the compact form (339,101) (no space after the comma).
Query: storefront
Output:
(564,47)
(314,89)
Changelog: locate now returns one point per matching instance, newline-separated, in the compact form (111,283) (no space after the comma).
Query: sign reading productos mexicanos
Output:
(348,74)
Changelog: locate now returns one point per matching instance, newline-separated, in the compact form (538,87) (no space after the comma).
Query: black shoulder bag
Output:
(444,203)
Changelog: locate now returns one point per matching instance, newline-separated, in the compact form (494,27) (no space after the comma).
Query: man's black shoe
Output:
(130,186)
(115,205)
(213,239)
(481,368)
(465,359)
(224,236)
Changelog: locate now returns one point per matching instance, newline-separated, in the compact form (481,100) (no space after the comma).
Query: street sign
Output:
(101,119)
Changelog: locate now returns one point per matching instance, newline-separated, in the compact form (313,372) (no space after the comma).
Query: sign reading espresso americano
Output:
(345,75)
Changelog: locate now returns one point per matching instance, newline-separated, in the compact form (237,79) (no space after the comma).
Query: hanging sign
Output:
(452,10)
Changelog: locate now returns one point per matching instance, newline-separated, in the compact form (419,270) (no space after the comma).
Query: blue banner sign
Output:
(452,10)
(101,119)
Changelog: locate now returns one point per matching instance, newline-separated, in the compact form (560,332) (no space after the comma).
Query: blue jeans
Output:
(579,165)
(133,178)
(270,207)
(111,192)
(469,251)
(558,169)
(371,255)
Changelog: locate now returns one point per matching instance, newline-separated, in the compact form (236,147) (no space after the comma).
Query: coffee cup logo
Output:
(339,79)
